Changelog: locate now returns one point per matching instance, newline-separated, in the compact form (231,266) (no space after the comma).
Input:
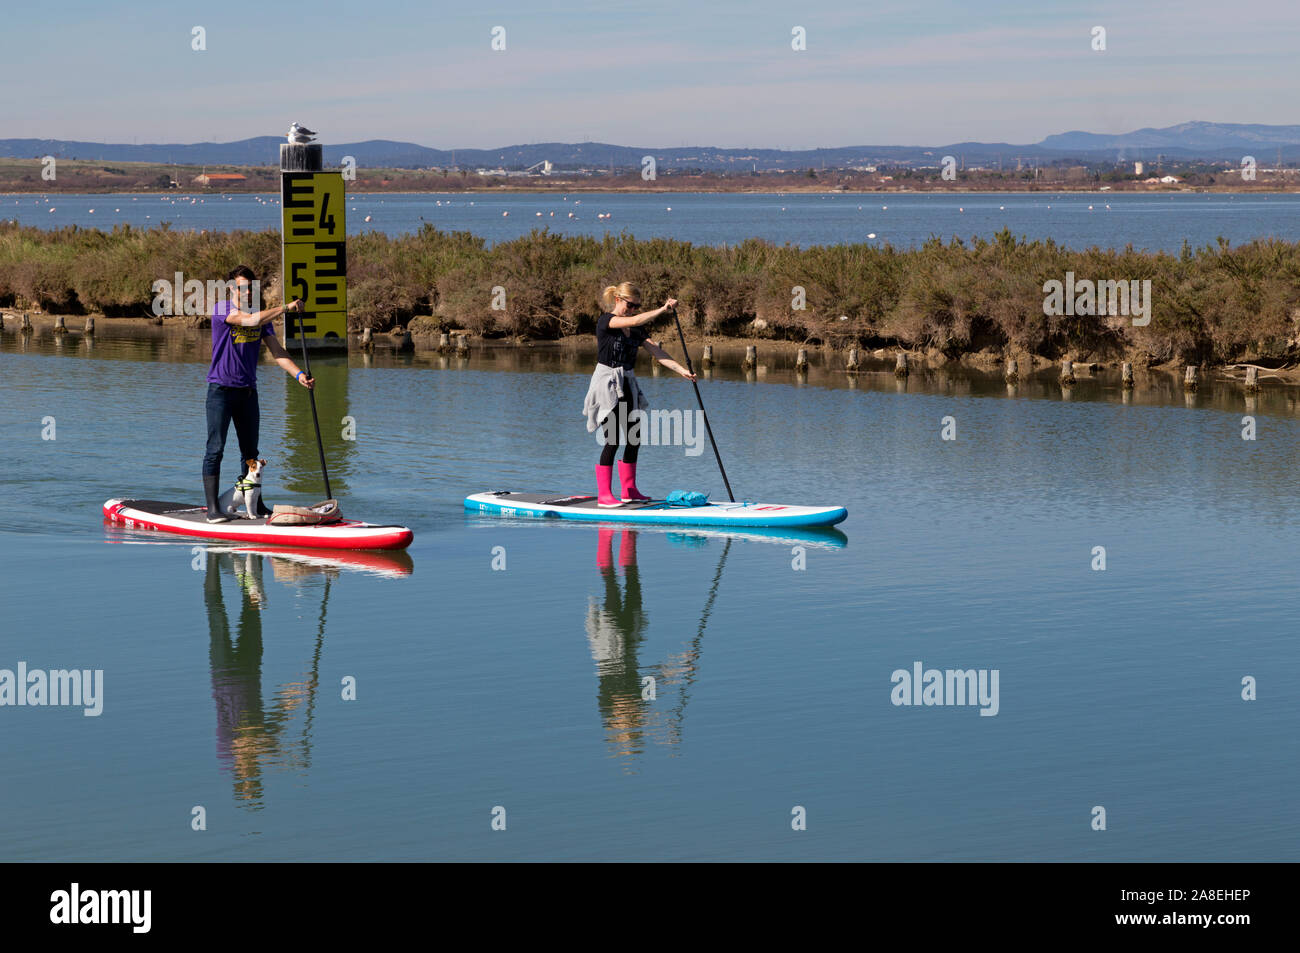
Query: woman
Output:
(614,393)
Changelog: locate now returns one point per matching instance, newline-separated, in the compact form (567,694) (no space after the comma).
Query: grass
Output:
(1212,304)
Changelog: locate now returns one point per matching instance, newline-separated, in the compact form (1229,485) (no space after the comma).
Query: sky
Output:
(658,74)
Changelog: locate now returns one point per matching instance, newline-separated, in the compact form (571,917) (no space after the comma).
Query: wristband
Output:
(298,377)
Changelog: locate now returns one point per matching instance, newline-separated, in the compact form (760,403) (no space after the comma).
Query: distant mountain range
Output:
(1187,141)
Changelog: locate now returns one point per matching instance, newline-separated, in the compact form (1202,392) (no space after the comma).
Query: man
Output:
(237,337)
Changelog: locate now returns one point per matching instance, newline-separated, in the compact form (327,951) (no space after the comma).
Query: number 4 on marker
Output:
(326,219)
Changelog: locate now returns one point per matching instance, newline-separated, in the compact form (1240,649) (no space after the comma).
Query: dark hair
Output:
(241,271)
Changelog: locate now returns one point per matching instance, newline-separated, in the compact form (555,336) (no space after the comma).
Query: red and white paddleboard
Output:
(186,519)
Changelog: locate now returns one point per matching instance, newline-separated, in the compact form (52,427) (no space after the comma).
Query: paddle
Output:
(306,368)
(713,443)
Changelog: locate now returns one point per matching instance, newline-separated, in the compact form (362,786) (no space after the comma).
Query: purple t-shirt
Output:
(234,350)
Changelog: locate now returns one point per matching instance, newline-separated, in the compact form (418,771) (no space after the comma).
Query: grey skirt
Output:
(608,384)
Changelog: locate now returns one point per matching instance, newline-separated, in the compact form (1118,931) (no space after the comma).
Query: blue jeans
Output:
(226,404)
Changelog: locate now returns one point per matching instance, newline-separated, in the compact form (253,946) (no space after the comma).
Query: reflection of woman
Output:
(247,735)
(614,395)
(614,631)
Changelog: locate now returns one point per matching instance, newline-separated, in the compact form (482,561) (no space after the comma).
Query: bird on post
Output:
(300,134)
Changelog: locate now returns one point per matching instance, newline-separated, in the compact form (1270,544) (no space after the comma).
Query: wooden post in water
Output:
(900,364)
(751,356)
(1252,380)
(1067,373)
(59,326)
(1013,372)
(26,326)
(462,345)
(707,361)
(367,338)
(90,326)
(1190,382)
(801,360)
(853,360)
(1126,375)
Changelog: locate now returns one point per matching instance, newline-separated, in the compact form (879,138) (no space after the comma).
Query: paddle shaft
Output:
(306,369)
(704,413)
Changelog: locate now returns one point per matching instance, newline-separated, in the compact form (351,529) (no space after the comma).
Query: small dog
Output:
(247,491)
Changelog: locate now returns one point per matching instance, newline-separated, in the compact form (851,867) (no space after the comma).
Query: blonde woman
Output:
(614,395)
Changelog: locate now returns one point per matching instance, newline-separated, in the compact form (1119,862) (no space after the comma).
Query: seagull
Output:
(300,134)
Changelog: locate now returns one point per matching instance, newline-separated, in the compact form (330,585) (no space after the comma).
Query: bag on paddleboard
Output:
(687,498)
(321,513)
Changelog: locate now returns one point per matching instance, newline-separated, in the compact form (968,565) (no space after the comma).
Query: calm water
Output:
(522,688)
(1154,222)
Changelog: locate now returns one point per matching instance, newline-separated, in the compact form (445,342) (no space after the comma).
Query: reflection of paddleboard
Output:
(390,564)
(557,505)
(188,520)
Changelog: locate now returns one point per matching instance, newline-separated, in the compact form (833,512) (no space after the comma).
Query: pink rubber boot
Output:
(603,495)
(627,477)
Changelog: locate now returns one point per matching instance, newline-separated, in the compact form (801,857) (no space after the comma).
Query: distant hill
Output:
(1190,140)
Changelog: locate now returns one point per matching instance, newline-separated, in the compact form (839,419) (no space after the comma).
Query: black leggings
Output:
(622,412)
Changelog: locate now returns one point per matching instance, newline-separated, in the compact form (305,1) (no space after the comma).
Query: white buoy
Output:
(871,234)
(367,218)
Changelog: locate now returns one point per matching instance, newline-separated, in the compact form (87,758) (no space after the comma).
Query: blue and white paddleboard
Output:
(559,506)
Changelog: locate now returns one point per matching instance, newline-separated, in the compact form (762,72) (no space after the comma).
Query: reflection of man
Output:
(614,631)
(247,735)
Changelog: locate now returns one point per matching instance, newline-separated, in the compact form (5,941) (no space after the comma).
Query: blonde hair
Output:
(613,292)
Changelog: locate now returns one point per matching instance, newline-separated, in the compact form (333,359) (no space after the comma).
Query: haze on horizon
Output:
(661,75)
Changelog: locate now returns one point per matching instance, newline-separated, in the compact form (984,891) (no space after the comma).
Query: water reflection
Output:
(256,735)
(627,689)
(1154,387)
(302,459)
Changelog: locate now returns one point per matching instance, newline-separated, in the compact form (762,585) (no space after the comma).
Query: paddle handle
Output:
(704,413)
(306,369)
